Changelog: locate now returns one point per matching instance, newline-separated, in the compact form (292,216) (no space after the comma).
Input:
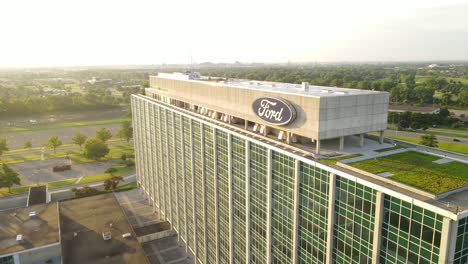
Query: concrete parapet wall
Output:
(10,203)
(41,254)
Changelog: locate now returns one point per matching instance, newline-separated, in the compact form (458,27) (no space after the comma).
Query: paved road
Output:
(418,135)
(19,200)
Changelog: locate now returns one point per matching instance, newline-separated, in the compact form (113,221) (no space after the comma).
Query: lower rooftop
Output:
(37,225)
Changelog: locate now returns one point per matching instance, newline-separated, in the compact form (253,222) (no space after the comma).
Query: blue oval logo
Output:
(274,110)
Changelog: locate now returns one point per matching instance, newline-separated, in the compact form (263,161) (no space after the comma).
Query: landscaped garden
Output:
(418,170)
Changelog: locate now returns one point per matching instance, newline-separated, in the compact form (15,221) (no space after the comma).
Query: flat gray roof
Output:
(83,222)
(37,231)
(289,88)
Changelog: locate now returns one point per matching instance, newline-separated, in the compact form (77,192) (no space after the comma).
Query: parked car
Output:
(456,140)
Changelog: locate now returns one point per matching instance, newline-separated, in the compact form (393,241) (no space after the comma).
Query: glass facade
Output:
(282,208)
(313,214)
(196,173)
(410,234)
(199,189)
(354,222)
(258,203)
(238,188)
(7,260)
(189,180)
(222,166)
(461,248)
(180,173)
(210,193)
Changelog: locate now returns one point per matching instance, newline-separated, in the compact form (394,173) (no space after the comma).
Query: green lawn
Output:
(417,169)
(15,190)
(76,156)
(61,183)
(389,149)
(64,125)
(102,176)
(332,161)
(450,146)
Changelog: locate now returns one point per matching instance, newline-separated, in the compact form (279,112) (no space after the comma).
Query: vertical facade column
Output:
(176,174)
(317,146)
(231,197)
(448,240)
(202,153)
(247,201)
(162,187)
(153,168)
(156,161)
(182,145)
(381,136)
(216,190)
(296,211)
(169,171)
(361,140)
(145,131)
(194,195)
(341,143)
(269,206)
(331,217)
(379,215)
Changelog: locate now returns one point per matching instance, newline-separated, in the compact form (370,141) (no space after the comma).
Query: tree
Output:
(111,183)
(79,139)
(429,140)
(111,171)
(3,145)
(54,142)
(8,177)
(84,191)
(103,134)
(28,144)
(126,131)
(95,148)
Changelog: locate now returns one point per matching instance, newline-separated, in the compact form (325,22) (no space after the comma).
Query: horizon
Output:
(55,33)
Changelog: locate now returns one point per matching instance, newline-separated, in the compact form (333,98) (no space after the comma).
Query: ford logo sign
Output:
(274,110)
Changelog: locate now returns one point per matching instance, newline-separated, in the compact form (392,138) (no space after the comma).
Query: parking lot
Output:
(32,172)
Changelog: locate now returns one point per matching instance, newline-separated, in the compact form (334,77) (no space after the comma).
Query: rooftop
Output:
(423,171)
(39,230)
(289,88)
(83,222)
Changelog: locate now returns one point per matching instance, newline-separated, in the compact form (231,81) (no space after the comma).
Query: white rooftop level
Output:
(295,113)
(303,89)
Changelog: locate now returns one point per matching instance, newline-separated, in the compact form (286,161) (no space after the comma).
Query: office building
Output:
(234,166)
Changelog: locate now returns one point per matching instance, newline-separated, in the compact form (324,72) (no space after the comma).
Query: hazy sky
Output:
(99,32)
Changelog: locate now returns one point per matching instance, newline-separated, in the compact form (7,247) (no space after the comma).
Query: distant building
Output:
(232,165)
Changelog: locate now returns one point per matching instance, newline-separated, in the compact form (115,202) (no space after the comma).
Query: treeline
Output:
(400,82)
(416,120)
(37,104)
